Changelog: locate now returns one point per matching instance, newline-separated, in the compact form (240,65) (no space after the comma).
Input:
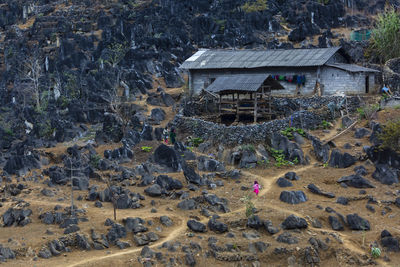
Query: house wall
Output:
(337,80)
(200,79)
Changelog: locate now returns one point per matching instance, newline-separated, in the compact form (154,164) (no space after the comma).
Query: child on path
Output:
(256,188)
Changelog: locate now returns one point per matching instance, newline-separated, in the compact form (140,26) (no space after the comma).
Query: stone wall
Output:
(234,135)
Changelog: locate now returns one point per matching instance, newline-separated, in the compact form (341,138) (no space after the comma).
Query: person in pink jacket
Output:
(256,188)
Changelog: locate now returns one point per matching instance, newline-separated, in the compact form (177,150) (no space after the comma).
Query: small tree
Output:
(390,135)
(385,39)
(33,72)
(249,206)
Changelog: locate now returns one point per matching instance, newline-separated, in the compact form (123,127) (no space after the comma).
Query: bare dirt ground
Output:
(345,247)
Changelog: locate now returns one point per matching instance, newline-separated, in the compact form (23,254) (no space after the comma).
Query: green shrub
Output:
(197,141)
(255,6)
(384,43)
(280,158)
(146,148)
(368,111)
(95,160)
(390,135)
(375,252)
(8,131)
(249,205)
(326,125)
(248,147)
(288,132)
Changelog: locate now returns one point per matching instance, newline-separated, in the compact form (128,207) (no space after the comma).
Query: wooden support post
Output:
(220,118)
(255,108)
(237,107)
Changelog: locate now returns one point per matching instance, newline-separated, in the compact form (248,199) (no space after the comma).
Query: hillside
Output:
(87,88)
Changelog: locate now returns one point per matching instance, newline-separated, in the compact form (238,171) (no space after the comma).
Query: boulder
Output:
(356,222)
(287,238)
(134,225)
(191,176)
(291,150)
(168,183)
(21,164)
(314,189)
(6,253)
(390,243)
(217,226)
(270,228)
(188,204)
(157,115)
(147,133)
(361,132)
(335,223)
(282,182)
(82,242)
(166,221)
(356,181)
(116,232)
(360,170)
(196,226)
(292,176)
(340,160)
(255,222)
(342,200)
(166,156)
(294,222)
(153,190)
(248,159)
(321,151)
(385,174)
(293,197)
(209,165)
(131,138)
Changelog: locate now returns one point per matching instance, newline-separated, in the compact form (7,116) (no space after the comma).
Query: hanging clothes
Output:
(299,80)
(303,80)
(281,77)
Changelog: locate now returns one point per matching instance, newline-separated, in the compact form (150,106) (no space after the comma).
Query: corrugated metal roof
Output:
(351,67)
(222,59)
(241,82)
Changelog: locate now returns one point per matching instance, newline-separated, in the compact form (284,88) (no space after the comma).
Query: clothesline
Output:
(297,79)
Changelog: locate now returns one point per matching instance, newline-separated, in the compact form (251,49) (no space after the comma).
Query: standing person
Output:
(256,188)
(165,135)
(172,136)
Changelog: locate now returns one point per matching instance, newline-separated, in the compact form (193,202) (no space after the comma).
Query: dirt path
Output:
(266,183)
(175,233)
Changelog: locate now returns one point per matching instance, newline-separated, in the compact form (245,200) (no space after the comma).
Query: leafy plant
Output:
(95,160)
(390,135)
(8,131)
(385,38)
(249,205)
(197,141)
(146,148)
(368,111)
(325,165)
(264,163)
(248,147)
(255,6)
(280,158)
(375,252)
(288,132)
(326,125)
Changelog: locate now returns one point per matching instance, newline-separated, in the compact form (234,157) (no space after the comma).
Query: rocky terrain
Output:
(86,89)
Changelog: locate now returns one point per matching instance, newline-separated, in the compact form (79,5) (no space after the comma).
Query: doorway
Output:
(366,84)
